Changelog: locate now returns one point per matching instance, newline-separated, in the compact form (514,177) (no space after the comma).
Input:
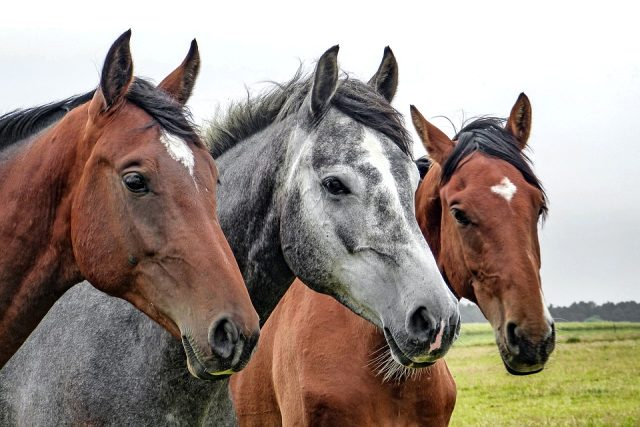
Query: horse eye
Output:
(460,216)
(135,182)
(334,186)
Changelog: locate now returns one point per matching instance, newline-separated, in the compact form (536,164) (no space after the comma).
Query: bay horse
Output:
(116,187)
(316,181)
(478,207)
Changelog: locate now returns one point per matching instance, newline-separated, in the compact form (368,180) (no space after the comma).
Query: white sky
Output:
(579,63)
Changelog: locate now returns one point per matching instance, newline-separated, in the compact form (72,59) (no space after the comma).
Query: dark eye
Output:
(460,216)
(135,182)
(334,186)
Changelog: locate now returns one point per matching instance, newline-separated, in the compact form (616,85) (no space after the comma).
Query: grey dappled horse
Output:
(316,181)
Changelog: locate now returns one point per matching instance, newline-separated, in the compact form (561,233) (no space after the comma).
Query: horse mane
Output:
(174,118)
(423,164)
(353,97)
(488,136)
(19,124)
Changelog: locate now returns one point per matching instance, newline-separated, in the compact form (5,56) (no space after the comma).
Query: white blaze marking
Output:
(179,151)
(424,261)
(505,189)
(380,161)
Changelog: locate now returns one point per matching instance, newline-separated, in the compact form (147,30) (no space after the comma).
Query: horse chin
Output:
(515,368)
(196,366)
(534,369)
(400,357)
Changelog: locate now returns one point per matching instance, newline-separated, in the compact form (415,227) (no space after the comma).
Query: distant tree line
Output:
(627,311)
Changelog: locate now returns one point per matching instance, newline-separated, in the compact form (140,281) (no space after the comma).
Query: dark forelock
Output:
(488,136)
(172,116)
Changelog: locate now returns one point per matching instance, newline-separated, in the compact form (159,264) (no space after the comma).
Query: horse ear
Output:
(325,81)
(437,144)
(117,72)
(519,123)
(179,84)
(385,80)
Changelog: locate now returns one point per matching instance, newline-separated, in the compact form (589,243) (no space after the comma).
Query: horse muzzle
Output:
(521,355)
(426,339)
(230,351)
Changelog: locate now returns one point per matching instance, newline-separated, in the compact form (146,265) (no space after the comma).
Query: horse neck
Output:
(37,265)
(252,175)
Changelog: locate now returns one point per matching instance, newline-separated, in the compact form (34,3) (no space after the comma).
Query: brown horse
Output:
(478,207)
(116,187)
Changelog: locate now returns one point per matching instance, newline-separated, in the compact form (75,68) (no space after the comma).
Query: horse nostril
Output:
(512,338)
(223,338)
(421,325)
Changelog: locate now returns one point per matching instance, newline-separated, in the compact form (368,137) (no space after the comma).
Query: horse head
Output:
(479,206)
(143,222)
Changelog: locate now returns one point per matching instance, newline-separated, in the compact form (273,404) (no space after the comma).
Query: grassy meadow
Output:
(591,379)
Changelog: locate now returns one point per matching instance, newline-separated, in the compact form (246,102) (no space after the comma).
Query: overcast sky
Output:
(579,64)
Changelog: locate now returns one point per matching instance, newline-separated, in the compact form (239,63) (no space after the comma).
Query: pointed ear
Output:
(179,84)
(117,72)
(519,123)
(385,80)
(325,81)
(437,144)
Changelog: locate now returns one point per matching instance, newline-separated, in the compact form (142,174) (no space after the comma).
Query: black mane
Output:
(488,136)
(170,115)
(354,98)
(20,124)
(423,164)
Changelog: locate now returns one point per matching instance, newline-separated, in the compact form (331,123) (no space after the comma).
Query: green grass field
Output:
(591,379)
